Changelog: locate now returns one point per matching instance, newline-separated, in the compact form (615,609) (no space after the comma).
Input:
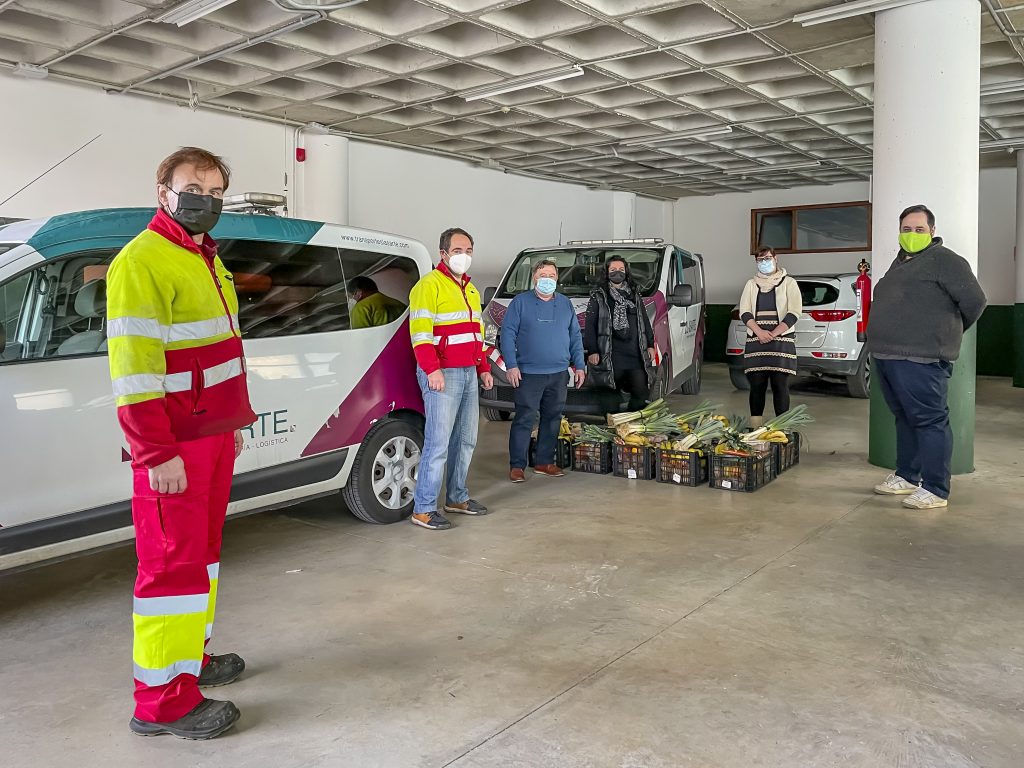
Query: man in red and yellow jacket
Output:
(178,375)
(446,323)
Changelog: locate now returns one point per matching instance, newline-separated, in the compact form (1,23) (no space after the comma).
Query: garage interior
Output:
(591,621)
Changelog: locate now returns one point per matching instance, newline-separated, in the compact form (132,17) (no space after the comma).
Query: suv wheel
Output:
(383,480)
(859,385)
(692,385)
(493,414)
(739,379)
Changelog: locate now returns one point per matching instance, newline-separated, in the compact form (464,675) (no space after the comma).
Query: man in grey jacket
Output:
(919,312)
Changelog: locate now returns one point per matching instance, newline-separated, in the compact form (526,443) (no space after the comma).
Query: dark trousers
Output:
(916,393)
(634,381)
(759,391)
(540,394)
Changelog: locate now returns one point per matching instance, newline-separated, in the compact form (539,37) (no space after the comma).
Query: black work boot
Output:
(221,670)
(207,720)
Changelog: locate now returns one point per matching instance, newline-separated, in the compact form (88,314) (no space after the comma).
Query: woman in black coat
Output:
(618,338)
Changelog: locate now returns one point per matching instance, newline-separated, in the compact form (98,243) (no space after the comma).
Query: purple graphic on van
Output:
(389,385)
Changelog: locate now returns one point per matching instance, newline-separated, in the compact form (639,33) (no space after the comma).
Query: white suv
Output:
(826,335)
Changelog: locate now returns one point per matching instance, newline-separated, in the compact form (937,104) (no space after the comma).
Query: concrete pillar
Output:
(624,215)
(324,179)
(927,109)
(1018,255)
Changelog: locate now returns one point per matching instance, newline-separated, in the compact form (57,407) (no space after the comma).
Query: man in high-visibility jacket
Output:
(446,323)
(178,374)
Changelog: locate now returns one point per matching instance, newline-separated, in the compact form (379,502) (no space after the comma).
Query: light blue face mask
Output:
(766,267)
(547,285)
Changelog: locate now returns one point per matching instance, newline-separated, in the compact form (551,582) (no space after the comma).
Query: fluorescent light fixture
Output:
(697,133)
(189,11)
(1002,144)
(995,89)
(763,168)
(31,71)
(522,83)
(849,11)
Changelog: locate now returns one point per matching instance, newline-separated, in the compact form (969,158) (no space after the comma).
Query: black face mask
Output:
(197,214)
(618,278)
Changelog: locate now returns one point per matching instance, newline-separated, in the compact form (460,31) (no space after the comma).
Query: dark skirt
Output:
(777,356)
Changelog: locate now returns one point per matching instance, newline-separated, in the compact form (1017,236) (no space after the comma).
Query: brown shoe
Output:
(516,475)
(550,470)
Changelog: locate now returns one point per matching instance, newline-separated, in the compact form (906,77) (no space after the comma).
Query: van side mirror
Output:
(681,296)
(489,294)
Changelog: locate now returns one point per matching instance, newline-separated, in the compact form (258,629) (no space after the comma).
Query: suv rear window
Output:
(817,294)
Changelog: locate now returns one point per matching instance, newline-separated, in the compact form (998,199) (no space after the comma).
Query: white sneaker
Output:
(894,485)
(922,499)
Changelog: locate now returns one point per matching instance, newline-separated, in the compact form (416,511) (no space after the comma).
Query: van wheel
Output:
(859,385)
(739,379)
(383,480)
(663,382)
(493,414)
(692,385)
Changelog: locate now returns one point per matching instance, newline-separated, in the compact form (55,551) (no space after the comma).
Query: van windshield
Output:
(580,270)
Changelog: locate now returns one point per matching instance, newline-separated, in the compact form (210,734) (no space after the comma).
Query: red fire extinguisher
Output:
(863,288)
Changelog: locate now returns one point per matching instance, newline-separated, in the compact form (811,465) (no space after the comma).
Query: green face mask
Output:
(914,242)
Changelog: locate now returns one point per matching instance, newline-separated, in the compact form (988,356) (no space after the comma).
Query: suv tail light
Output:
(831,315)
(735,314)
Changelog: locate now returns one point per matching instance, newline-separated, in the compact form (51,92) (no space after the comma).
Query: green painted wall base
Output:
(882,430)
(1018,345)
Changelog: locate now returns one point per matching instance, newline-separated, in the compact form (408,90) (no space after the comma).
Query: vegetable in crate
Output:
(786,422)
(656,408)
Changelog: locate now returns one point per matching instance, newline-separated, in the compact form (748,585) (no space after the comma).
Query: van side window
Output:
(57,309)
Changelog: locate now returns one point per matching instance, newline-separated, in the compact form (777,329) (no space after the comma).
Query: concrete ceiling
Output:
(397,70)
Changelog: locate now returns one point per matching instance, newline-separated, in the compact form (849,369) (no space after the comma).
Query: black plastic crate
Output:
(633,462)
(563,452)
(787,455)
(592,457)
(681,467)
(742,473)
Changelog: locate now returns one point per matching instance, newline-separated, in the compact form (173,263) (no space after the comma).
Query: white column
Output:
(324,179)
(624,215)
(1018,255)
(927,109)
(927,83)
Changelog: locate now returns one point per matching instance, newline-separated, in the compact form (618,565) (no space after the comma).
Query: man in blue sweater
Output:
(540,339)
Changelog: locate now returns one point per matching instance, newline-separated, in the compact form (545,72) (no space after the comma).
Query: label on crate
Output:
(727,484)
(631,474)
(677,478)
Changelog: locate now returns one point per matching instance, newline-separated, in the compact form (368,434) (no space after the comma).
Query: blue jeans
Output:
(537,392)
(449,436)
(916,394)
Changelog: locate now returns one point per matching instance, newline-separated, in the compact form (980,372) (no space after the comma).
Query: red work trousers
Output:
(178,540)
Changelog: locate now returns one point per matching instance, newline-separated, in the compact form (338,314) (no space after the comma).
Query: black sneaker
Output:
(209,719)
(471,507)
(435,521)
(221,670)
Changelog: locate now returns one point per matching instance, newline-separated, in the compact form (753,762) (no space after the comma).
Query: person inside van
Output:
(770,306)
(446,324)
(371,307)
(178,373)
(619,339)
(540,339)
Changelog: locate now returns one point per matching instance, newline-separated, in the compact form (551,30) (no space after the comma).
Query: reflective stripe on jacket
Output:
(446,322)
(176,360)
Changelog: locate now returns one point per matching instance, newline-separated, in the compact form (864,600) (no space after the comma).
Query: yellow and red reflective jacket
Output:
(446,322)
(176,359)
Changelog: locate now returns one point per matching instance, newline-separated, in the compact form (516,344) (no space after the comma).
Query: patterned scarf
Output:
(767,283)
(621,304)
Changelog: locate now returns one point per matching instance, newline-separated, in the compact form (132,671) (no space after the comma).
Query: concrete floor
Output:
(590,621)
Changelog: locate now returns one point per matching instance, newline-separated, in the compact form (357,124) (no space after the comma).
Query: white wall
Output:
(44,122)
(719,228)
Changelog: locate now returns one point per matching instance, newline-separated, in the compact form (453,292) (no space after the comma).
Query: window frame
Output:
(794,210)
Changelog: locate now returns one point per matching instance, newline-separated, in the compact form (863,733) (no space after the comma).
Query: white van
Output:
(671,281)
(338,407)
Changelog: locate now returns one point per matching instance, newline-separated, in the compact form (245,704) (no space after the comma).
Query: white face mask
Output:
(459,263)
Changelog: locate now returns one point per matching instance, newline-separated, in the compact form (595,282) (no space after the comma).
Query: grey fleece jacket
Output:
(923,304)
